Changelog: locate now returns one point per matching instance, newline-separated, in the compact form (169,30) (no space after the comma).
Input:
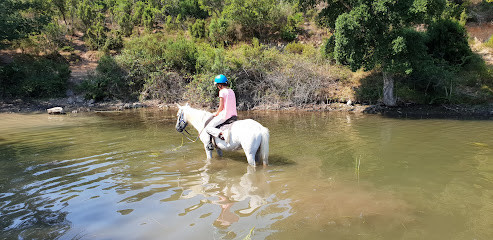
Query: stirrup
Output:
(210,146)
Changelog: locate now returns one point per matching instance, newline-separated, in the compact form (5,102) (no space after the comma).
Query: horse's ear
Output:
(178,105)
(186,105)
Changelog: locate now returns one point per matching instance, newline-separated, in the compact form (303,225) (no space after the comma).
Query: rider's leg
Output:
(211,127)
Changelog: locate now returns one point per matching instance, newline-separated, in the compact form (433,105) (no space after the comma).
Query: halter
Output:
(182,124)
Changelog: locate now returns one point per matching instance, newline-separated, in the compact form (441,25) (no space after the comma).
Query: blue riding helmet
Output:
(220,79)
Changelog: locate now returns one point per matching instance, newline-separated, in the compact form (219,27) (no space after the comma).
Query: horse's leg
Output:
(208,152)
(250,147)
(251,158)
(219,152)
(204,137)
(250,152)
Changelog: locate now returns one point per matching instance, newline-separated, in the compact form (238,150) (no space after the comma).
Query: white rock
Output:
(55,110)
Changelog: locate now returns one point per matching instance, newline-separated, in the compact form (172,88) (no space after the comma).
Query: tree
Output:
(374,34)
(212,6)
(15,23)
(61,6)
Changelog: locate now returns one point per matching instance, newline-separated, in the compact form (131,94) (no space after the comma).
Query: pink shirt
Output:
(229,100)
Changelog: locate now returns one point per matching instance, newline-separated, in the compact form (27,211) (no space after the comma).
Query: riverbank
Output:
(75,105)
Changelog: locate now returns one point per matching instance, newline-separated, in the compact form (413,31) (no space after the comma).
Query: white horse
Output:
(247,134)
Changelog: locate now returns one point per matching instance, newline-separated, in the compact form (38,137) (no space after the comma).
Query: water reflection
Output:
(251,188)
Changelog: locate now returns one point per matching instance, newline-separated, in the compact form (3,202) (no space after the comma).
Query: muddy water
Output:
(332,176)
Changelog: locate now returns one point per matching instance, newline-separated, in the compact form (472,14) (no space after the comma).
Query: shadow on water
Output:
(432,112)
(274,159)
(370,92)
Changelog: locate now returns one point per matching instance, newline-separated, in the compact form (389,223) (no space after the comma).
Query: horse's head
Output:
(181,122)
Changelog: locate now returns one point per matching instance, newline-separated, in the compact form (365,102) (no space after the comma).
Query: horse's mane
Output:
(197,116)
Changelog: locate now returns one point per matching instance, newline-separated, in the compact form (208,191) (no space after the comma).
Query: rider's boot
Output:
(210,145)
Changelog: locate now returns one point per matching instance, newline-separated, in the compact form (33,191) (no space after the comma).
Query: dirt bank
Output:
(413,111)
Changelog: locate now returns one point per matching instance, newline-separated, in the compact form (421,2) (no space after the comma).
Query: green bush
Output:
(148,17)
(327,49)
(197,30)
(201,90)
(211,59)
(181,55)
(140,58)
(288,33)
(126,24)
(294,47)
(96,36)
(221,32)
(108,82)
(138,12)
(114,41)
(489,43)
(447,40)
(34,77)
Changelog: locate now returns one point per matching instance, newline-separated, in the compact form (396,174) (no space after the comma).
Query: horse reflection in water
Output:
(251,186)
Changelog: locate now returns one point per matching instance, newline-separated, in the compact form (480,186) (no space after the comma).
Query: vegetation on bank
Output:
(171,49)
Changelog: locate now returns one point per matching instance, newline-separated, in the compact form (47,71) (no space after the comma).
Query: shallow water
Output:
(124,175)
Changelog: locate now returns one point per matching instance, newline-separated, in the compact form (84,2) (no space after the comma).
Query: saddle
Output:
(225,128)
(227,122)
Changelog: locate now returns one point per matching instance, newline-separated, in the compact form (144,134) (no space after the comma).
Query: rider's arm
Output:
(221,107)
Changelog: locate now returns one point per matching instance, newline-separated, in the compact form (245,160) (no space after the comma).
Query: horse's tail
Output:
(264,145)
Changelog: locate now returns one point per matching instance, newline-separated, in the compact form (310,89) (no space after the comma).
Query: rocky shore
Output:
(74,105)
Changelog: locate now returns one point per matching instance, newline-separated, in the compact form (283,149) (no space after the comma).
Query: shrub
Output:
(197,30)
(489,43)
(148,17)
(114,41)
(211,60)
(126,24)
(221,31)
(96,36)
(108,82)
(327,49)
(288,33)
(54,37)
(447,40)
(165,86)
(201,90)
(181,55)
(294,47)
(138,12)
(34,77)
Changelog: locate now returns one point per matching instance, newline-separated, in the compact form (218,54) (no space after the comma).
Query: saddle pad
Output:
(226,127)
(226,130)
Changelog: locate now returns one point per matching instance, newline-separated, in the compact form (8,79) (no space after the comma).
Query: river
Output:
(127,175)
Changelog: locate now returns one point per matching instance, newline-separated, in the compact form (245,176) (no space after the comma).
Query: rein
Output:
(190,135)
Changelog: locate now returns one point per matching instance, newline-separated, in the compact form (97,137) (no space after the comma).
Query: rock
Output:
(91,101)
(70,100)
(349,102)
(79,99)
(55,110)
(137,105)
(127,106)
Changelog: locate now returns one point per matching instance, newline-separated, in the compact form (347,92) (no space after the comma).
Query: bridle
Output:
(182,124)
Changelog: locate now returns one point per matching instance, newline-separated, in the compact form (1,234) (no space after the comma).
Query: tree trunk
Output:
(389,98)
